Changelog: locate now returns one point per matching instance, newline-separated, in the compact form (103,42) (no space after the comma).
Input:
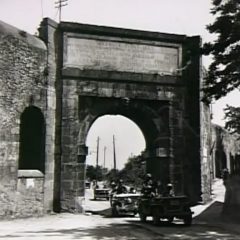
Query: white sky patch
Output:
(129,140)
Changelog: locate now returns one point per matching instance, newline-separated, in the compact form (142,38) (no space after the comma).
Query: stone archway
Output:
(152,119)
(153,125)
(151,78)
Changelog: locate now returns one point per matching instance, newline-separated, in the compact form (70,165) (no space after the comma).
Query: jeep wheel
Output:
(187,220)
(170,219)
(156,219)
(143,217)
(135,212)
(115,212)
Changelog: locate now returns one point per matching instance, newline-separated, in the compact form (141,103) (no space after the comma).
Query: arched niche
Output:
(32,140)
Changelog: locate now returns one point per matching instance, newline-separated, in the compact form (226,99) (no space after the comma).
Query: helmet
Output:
(113,183)
(169,185)
(148,175)
(120,181)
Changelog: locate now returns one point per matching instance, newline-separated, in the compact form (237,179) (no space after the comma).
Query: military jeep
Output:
(125,204)
(165,208)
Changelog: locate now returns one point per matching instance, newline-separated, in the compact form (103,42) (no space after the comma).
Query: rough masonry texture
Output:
(23,87)
(53,87)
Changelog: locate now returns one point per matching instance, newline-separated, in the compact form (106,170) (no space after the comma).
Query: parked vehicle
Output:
(160,208)
(87,184)
(125,204)
(101,193)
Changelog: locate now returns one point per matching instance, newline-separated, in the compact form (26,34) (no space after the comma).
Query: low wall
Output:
(30,193)
(27,201)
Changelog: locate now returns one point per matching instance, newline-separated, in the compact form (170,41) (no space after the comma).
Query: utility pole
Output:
(114,155)
(97,159)
(97,152)
(59,4)
(104,156)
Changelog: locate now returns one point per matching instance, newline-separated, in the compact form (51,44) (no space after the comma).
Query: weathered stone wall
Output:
(73,171)
(205,151)
(225,151)
(30,193)
(219,150)
(191,120)
(47,32)
(22,84)
(133,55)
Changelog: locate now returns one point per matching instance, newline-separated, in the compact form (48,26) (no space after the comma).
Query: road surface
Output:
(97,224)
(100,227)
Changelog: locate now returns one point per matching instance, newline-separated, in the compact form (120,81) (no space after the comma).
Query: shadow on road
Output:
(128,230)
(211,214)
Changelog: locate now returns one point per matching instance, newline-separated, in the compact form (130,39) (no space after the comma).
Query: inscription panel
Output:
(119,55)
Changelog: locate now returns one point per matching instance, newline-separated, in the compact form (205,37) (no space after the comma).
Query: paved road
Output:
(102,226)
(97,227)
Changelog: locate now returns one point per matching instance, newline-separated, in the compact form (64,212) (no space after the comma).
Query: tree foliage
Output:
(112,175)
(224,72)
(134,171)
(94,173)
(232,116)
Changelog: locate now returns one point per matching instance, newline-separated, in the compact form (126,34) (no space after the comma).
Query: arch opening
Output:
(108,131)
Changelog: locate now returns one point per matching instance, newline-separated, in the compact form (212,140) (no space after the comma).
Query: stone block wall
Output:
(225,151)
(30,193)
(205,153)
(27,200)
(23,83)
(47,32)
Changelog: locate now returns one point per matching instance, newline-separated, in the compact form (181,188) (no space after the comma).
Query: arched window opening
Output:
(32,140)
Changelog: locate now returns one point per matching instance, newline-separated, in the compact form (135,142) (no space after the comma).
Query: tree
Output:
(112,175)
(224,72)
(94,173)
(232,116)
(223,77)
(133,171)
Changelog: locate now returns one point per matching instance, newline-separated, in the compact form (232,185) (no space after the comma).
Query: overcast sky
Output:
(188,17)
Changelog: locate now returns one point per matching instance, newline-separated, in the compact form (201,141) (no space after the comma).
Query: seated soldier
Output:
(132,190)
(113,186)
(120,187)
(148,189)
(169,191)
(159,188)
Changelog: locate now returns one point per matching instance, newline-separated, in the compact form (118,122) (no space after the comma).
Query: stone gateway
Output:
(151,78)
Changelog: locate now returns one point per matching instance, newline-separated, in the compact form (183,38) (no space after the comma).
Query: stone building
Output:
(53,88)
(225,151)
